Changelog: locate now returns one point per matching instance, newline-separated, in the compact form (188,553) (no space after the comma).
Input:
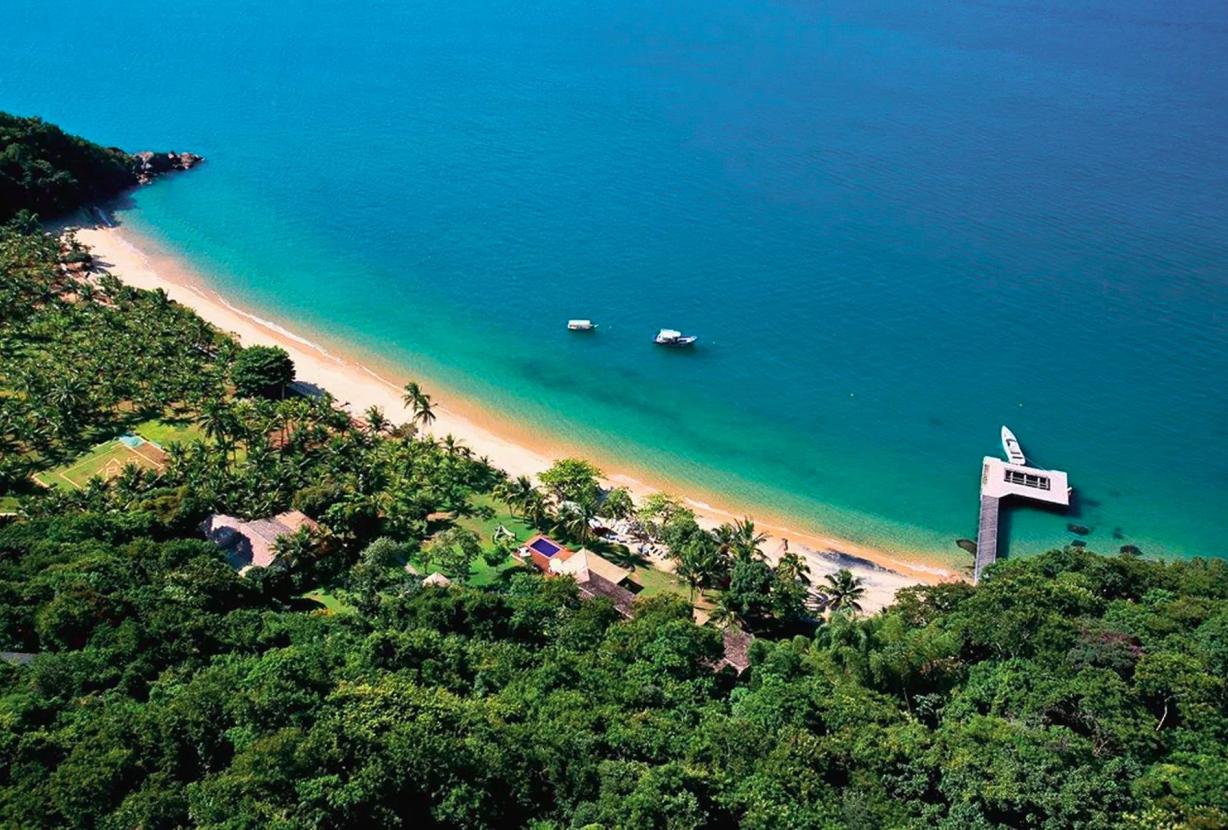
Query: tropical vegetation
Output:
(145,683)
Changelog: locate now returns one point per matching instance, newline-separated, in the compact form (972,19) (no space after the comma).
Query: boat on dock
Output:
(671,337)
(1012,479)
(1014,452)
(581,325)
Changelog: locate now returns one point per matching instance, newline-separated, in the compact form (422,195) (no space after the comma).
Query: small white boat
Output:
(581,325)
(670,337)
(1014,453)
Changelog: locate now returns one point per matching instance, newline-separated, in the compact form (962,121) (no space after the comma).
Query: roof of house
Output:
(250,544)
(593,585)
(737,649)
(585,559)
(437,579)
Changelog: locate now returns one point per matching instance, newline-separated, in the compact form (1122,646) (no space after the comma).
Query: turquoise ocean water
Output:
(895,226)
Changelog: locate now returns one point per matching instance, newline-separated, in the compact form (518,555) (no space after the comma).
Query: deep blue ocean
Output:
(894,226)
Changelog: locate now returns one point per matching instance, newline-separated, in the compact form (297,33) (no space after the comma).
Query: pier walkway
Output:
(1001,479)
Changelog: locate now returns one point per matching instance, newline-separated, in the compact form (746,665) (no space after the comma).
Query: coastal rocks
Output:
(1131,550)
(1081,530)
(147,166)
(968,545)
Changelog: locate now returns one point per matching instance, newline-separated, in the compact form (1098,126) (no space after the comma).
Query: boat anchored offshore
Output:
(1014,453)
(670,337)
(581,325)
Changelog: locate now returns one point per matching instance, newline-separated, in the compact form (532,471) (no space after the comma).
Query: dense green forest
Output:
(47,171)
(145,683)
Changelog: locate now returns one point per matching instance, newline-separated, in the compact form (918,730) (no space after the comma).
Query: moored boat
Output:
(581,325)
(1014,453)
(671,337)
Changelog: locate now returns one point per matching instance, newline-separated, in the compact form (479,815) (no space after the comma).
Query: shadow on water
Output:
(1072,514)
(1004,528)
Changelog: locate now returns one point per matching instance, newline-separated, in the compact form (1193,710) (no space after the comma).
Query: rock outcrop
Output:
(147,166)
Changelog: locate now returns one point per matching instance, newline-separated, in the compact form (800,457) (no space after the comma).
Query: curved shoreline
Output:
(138,261)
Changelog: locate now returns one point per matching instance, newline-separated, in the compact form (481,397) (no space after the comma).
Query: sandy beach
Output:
(137,262)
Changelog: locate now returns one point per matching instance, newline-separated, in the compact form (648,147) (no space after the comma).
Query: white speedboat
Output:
(1014,453)
(581,325)
(670,337)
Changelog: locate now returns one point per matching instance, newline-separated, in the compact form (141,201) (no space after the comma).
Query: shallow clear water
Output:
(894,226)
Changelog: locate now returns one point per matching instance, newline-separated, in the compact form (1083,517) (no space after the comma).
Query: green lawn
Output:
(331,604)
(8,504)
(166,432)
(659,582)
(482,573)
(485,528)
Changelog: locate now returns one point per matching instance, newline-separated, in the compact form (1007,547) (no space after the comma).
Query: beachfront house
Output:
(595,575)
(251,543)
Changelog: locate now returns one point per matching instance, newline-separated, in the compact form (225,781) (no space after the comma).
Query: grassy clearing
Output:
(331,604)
(108,458)
(105,460)
(481,573)
(659,582)
(165,432)
(485,528)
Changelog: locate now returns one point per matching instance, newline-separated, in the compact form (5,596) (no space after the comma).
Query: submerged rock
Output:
(1131,550)
(1082,530)
(967,544)
(1078,543)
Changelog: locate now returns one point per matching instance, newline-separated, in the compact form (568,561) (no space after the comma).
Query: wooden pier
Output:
(1001,480)
(986,535)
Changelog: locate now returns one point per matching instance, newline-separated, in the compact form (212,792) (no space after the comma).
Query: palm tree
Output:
(219,424)
(419,404)
(697,562)
(517,493)
(453,447)
(843,591)
(375,419)
(842,632)
(572,520)
(293,550)
(746,540)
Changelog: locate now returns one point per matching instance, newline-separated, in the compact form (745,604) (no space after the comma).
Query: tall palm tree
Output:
(516,493)
(746,540)
(572,520)
(452,447)
(419,404)
(536,508)
(219,424)
(376,419)
(697,562)
(844,591)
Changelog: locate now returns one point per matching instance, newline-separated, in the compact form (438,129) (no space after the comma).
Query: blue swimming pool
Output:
(545,547)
